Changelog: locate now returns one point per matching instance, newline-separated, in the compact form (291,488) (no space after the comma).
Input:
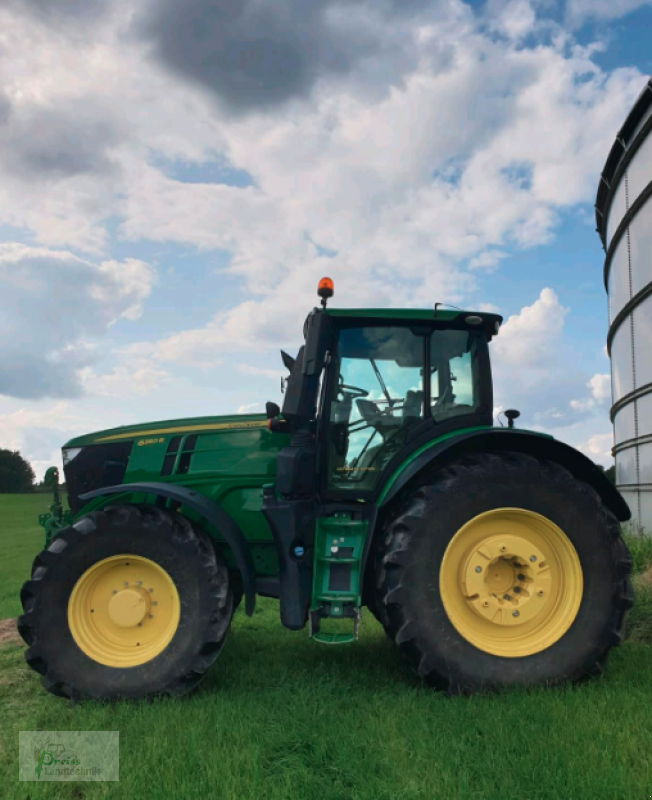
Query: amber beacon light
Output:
(325,290)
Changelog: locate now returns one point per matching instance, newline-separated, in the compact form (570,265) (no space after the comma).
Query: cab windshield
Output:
(383,389)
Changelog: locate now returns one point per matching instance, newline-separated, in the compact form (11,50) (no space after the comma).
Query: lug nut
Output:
(515,613)
(151,616)
(516,589)
(506,597)
(125,583)
(478,569)
(139,583)
(115,591)
(520,577)
(533,559)
(151,590)
(154,602)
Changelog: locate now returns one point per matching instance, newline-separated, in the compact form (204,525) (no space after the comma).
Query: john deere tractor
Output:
(492,556)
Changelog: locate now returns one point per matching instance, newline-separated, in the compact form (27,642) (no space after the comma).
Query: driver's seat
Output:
(413,404)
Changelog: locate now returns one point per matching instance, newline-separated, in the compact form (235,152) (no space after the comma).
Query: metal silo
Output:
(624,217)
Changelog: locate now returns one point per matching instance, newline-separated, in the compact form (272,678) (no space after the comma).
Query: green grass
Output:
(279,718)
(21,538)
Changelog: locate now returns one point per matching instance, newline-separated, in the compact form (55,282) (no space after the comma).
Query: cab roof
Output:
(445,317)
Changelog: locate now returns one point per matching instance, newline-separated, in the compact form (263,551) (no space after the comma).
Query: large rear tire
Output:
(500,571)
(129,602)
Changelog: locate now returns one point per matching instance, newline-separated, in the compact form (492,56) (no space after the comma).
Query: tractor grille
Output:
(97,465)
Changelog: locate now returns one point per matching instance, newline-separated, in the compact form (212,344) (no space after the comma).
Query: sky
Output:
(176,177)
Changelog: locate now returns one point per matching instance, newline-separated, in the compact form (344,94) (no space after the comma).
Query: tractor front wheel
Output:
(129,602)
(503,570)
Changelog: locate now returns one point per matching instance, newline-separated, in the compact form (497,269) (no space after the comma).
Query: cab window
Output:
(454,373)
(377,398)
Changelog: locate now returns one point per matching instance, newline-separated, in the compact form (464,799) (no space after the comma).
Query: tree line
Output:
(16,473)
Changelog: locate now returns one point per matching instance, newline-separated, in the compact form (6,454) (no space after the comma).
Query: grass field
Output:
(279,717)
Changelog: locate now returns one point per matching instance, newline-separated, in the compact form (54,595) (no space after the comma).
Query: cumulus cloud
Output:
(247,408)
(54,305)
(531,361)
(528,341)
(600,386)
(253,56)
(123,381)
(578,11)
(598,448)
(39,433)
(41,142)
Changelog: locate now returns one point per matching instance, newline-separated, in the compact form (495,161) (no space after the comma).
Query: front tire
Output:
(500,571)
(129,602)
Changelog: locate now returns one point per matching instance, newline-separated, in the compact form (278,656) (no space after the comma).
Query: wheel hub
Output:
(124,611)
(511,582)
(513,576)
(128,607)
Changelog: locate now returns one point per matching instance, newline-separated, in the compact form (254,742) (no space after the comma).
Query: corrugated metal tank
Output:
(624,217)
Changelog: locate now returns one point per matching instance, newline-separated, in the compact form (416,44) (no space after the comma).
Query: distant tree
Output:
(611,473)
(16,474)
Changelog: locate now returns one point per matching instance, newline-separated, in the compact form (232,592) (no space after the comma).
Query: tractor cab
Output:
(370,384)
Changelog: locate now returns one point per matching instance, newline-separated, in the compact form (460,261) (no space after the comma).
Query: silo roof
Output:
(627,141)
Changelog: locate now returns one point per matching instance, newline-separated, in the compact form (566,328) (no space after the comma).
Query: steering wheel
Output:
(353,391)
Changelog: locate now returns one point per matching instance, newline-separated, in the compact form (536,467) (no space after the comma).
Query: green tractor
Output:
(492,556)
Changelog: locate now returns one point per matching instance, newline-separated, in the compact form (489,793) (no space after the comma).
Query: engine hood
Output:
(126,433)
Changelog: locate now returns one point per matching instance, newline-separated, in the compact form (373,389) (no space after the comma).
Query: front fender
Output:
(495,440)
(208,510)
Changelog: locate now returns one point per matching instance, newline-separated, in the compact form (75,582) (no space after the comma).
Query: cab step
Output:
(339,542)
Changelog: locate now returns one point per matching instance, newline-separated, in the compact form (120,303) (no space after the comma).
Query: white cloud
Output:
(528,341)
(578,11)
(39,433)
(123,382)
(600,385)
(55,305)
(487,260)
(514,18)
(247,408)
(598,448)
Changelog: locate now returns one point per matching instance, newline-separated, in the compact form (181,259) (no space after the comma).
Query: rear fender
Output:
(211,512)
(496,440)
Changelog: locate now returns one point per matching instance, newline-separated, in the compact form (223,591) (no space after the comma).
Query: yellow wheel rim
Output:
(123,611)
(511,582)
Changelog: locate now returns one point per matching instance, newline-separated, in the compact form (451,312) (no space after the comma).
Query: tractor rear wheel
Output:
(129,602)
(503,570)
